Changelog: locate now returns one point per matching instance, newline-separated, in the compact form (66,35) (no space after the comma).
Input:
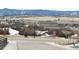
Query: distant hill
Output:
(12,12)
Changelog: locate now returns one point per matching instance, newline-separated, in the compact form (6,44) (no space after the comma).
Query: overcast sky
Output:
(40,4)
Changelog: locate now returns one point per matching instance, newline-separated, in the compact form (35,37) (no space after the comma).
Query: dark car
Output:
(3,42)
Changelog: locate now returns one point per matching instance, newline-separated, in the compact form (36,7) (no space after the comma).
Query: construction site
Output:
(39,33)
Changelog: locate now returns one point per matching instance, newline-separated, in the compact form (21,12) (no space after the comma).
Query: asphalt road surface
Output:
(32,45)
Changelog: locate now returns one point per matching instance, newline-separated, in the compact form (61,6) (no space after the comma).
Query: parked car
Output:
(3,42)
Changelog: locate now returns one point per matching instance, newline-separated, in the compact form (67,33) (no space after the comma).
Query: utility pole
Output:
(34,29)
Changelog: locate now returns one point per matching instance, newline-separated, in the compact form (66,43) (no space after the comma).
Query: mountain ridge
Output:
(37,12)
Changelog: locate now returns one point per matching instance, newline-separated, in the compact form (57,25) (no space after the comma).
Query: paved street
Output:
(32,45)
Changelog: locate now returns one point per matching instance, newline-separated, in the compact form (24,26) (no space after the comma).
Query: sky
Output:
(40,4)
